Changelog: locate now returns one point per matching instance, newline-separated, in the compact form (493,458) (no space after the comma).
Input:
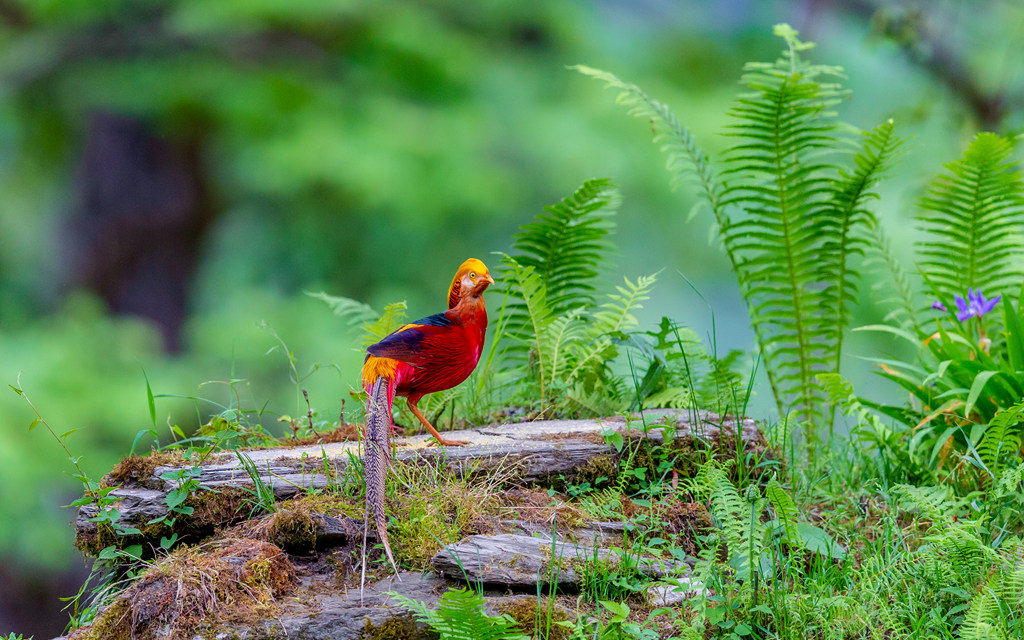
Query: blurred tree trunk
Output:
(922,33)
(141,210)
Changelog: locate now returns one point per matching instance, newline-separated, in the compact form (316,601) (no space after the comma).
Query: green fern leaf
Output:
(728,508)
(532,327)
(779,180)
(972,217)
(785,508)
(891,282)
(567,244)
(349,310)
(1002,438)
(460,616)
(850,194)
(392,319)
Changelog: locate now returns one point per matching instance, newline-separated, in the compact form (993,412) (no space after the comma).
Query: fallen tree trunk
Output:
(548,453)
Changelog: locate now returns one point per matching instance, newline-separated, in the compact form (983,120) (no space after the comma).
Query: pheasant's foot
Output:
(444,442)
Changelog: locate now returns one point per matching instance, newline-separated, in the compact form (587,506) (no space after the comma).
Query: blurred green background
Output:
(173,175)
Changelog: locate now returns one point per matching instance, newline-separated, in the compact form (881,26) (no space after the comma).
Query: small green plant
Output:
(186,480)
(262,498)
(616,577)
(460,616)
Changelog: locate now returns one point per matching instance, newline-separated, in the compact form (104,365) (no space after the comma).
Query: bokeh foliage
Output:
(365,148)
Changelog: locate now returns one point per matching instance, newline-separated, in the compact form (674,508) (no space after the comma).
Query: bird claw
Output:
(447,443)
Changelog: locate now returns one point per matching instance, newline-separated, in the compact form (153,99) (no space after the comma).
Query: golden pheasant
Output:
(432,354)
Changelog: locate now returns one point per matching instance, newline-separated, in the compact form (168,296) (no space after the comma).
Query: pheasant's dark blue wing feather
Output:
(406,344)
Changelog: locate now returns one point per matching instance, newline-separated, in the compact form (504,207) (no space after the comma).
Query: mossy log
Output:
(526,562)
(548,453)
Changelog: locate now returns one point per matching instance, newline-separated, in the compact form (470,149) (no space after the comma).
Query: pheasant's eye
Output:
(472,275)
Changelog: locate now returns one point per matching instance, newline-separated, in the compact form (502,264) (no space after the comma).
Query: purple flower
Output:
(938,305)
(974,306)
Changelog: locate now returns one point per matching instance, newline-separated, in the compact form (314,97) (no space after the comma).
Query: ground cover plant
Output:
(903,523)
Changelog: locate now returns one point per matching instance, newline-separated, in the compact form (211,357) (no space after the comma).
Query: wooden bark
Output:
(524,562)
(540,452)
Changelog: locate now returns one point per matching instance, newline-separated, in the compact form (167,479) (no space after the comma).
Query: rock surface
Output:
(344,616)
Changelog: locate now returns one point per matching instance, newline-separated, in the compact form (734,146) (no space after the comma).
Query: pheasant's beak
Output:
(488,279)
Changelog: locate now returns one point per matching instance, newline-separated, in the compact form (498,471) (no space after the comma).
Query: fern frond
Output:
(784,506)
(850,194)
(779,179)
(934,503)
(374,325)
(686,161)
(617,313)
(566,244)
(892,281)
(351,311)
(557,341)
(787,215)
(972,217)
(1009,481)
(728,508)
(981,622)
(536,314)
(460,616)
(1002,437)
(392,319)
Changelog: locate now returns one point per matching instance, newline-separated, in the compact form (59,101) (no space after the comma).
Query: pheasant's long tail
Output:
(376,459)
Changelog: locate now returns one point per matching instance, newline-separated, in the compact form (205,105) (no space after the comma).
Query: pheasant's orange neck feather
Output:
(455,290)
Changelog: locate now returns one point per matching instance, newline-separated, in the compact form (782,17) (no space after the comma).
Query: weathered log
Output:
(526,562)
(540,452)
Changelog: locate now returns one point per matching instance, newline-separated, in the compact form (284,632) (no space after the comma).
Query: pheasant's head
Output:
(469,282)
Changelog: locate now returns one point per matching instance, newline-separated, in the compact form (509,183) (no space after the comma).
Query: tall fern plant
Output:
(561,332)
(971,218)
(791,213)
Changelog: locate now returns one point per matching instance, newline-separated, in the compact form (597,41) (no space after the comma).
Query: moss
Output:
(531,617)
(535,505)
(343,433)
(443,509)
(401,627)
(138,469)
(90,542)
(233,578)
(292,529)
(212,509)
(687,519)
(114,623)
(329,505)
(598,467)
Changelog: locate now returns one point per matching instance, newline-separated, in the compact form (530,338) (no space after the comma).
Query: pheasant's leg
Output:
(411,401)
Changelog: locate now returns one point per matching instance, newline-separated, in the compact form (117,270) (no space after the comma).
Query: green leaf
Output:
(979,383)
(1014,337)
(34,424)
(16,390)
(614,439)
(138,437)
(619,609)
(818,541)
(151,400)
